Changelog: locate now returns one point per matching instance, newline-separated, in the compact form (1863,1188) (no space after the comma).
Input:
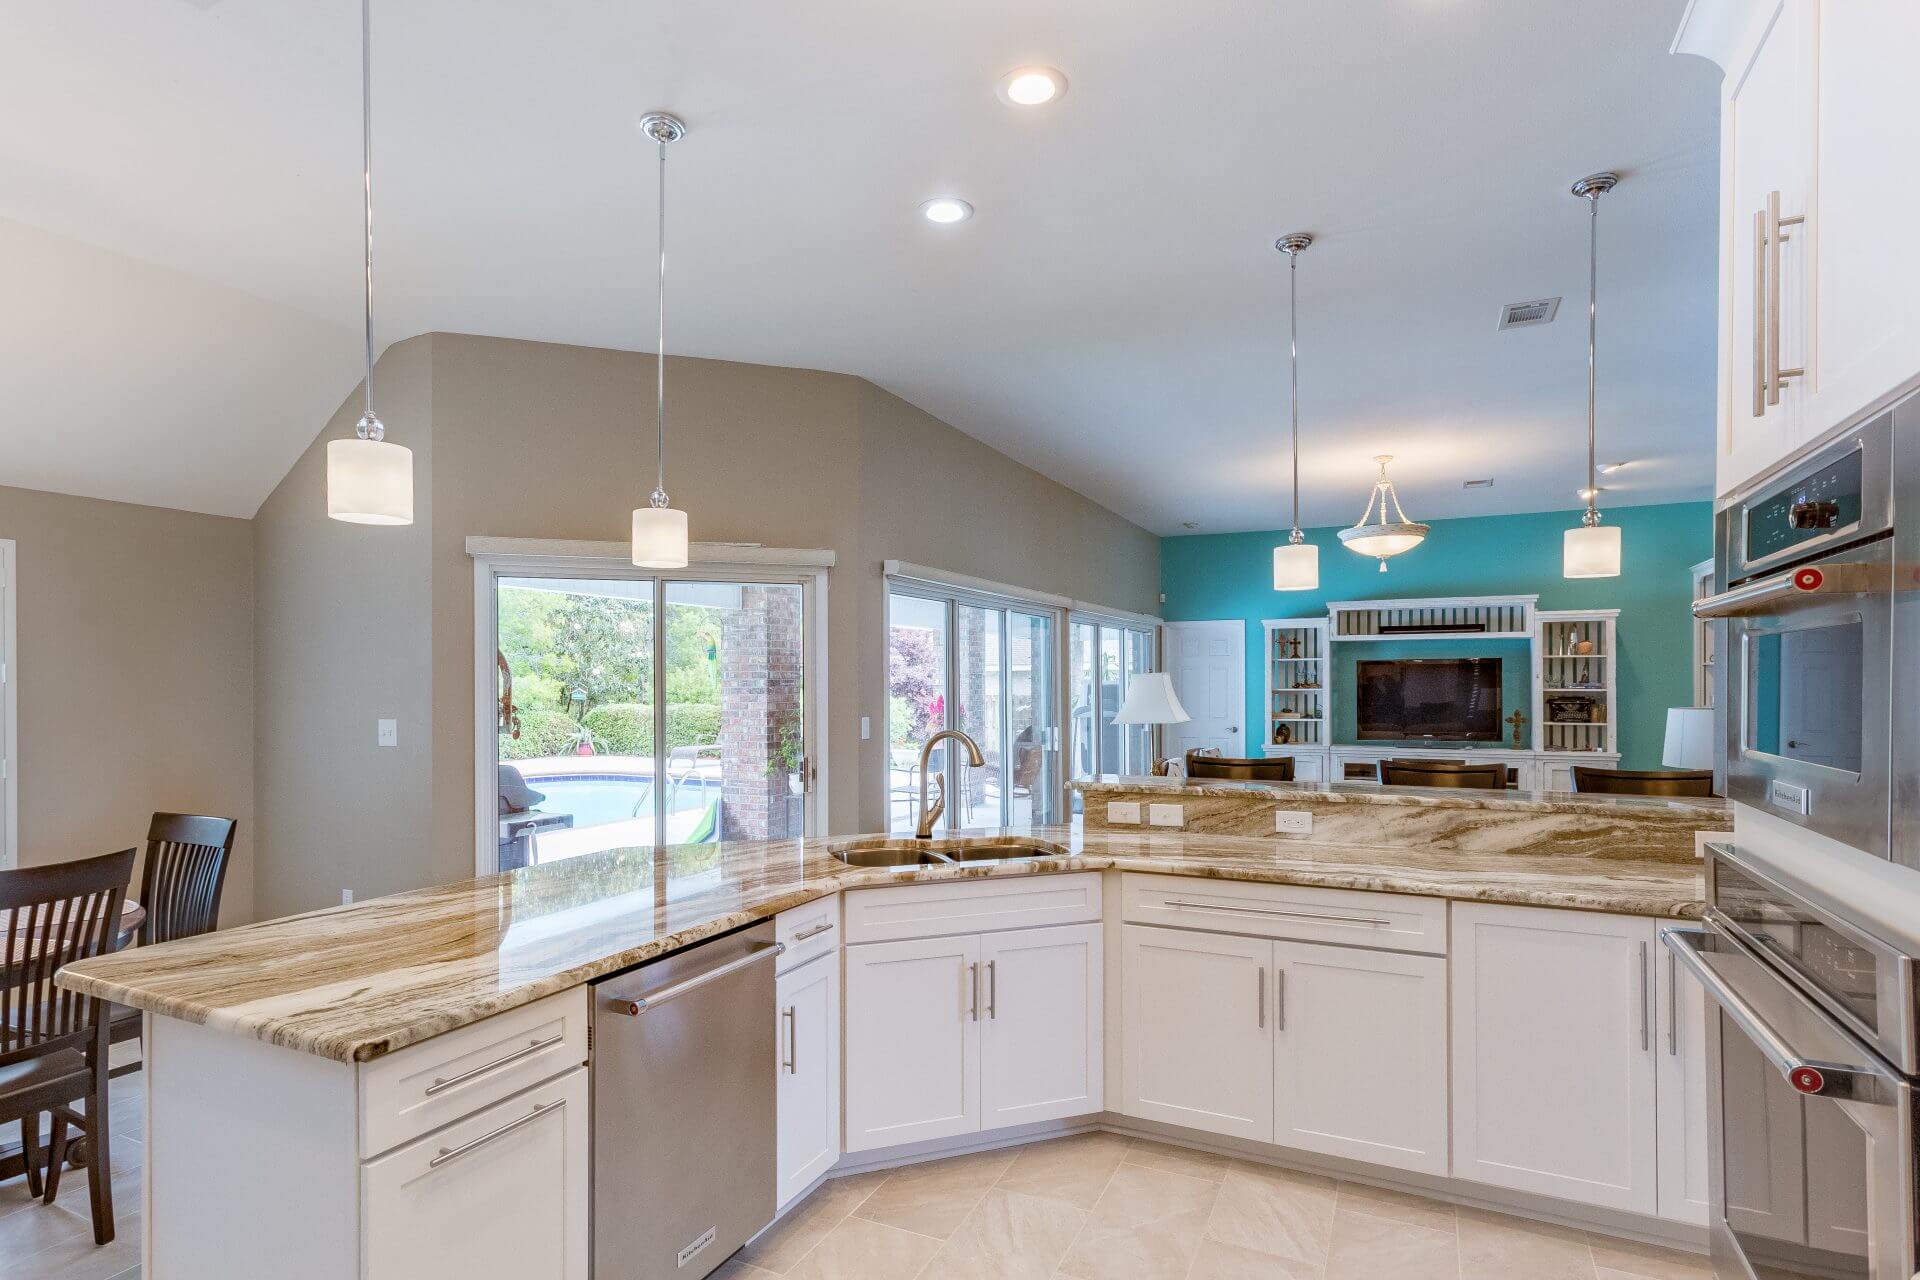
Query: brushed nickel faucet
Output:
(929,816)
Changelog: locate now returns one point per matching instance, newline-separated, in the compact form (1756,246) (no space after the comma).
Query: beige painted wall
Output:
(520,439)
(135,676)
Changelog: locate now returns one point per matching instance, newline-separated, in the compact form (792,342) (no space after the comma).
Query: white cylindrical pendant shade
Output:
(1591,551)
(1296,567)
(1689,738)
(1151,700)
(369,482)
(659,538)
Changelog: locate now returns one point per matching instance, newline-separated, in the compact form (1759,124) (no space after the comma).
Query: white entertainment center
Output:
(1572,716)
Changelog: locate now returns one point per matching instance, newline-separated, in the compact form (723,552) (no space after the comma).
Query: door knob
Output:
(1233,728)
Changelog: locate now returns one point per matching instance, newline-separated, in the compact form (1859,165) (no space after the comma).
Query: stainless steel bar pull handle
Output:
(1280,999)
(1374,921)
(1776,236)
(814,932)
(993,992)
(1645,1036)
(1260,997)
(1673,1006)
(454,1153)
(790,1042)
(444,1083)
(1759,312)
(973,992)
(638,1005)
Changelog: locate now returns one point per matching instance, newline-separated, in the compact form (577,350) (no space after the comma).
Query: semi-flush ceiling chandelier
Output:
(1296,566)
(1593,549)
(1379,536)
(659,531)
(369,481)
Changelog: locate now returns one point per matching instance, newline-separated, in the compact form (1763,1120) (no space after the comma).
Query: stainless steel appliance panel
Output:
(683,1109)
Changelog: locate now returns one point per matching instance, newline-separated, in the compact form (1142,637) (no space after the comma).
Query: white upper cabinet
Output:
(1197,1039)
(1360,1054)
(1818,266)
(1554,1053)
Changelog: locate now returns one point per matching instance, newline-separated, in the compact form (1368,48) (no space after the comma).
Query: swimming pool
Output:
(598,799)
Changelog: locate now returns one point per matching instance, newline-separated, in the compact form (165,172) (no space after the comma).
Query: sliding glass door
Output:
(638,712)
(987,669)
(1103,657)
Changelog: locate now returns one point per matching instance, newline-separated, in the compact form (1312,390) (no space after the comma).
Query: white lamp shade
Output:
(369,482)
(659,538)
(1689,738)
(1591,551)
(1296,567)
(1151,700)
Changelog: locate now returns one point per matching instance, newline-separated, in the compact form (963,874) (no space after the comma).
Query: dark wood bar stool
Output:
(53,1043)
(1642,782)
(1440,773)
(180,885)
(1278,769)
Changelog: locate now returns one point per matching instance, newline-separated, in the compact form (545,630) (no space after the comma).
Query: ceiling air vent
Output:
(1477,484)
(1518,315)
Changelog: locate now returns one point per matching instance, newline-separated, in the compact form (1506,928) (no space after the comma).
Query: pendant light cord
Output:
(1592,515)
(370,427)
(1293,345)
(659,498)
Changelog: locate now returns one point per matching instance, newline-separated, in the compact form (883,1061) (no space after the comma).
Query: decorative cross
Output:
(1519,722)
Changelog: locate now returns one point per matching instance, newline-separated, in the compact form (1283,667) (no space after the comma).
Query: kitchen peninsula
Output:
(339,1078)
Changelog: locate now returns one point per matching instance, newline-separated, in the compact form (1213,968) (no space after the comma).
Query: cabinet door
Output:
(1767,124)
(1360,1054)
(1198,1037)
(420,1206)
(1553,1053)
(807,1136)
(912,1041)
(1681,1106)
(1040,1024)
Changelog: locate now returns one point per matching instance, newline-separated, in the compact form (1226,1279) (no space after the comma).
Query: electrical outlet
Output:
(1293,822)
(1166,815)
(389,733)
(1127,811)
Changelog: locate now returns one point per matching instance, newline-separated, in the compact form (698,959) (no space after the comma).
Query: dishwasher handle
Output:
(635,1006)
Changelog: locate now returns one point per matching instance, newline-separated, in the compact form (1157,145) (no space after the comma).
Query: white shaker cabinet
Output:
(912,1041)
(1196,1036)
(501,1195)
(1360,1054)
(1554,1053)
(1040,1024)
(807,1140)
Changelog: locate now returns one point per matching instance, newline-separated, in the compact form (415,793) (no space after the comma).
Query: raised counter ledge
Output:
(356,982)
(1702,808)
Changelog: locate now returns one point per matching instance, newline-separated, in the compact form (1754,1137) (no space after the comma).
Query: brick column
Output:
(760,710)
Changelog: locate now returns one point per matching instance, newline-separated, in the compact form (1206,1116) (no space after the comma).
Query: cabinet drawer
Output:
(808,931)
(437,1081)
(971,906)
(1387,921)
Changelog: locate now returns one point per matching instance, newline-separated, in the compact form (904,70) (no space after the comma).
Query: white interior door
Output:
(1208,663)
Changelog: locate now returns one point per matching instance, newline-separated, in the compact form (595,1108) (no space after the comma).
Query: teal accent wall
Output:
(1230,575)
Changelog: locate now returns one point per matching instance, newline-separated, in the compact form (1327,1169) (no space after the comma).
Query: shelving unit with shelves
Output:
(1298,705)
(1576,690)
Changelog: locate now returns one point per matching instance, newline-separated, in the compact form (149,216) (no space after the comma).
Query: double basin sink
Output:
(956,852)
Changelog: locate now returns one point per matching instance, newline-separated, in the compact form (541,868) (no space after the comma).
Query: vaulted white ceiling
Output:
(179,180)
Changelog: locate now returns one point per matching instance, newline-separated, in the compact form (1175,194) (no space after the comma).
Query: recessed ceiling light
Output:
(1031,86)
(946,210)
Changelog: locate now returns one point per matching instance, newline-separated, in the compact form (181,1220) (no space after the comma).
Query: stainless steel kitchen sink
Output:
(958,851)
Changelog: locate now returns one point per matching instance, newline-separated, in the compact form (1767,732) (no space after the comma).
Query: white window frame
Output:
(9,710)
(495,558)
(1117,620)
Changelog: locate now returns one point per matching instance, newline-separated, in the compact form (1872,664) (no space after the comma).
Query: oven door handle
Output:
(1810,1076)
(1845,577)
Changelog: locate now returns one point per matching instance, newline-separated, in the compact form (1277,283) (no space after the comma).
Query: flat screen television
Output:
(1444,699)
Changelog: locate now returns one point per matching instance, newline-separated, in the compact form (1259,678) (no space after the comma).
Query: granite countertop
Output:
(355,982)
(1372,793)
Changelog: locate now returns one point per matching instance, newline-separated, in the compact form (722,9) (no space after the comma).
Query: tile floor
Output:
(1092,1207)
(55,1242)
(1103,1207)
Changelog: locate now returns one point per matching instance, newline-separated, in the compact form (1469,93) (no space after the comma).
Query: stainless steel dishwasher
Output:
(683,1108)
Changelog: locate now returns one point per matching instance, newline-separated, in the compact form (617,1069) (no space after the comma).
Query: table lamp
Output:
(1151,700)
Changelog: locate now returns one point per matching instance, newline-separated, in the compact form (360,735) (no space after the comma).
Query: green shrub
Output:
(543,732)
(621,728)
(692,724)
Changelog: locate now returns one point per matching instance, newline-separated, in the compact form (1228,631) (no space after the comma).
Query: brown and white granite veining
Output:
(1461,821)
(353,983)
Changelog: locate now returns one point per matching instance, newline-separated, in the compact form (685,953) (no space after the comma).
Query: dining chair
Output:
(1276,769)
(180,886)
(1435,773)
(53,1043)
(1642,782)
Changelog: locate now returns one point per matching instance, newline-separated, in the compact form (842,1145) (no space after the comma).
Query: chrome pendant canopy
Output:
(1378,536)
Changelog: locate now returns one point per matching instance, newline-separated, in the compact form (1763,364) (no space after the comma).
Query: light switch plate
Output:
(866,728)
(1123,811)
(1293,822)
(1166,815)
(389,733)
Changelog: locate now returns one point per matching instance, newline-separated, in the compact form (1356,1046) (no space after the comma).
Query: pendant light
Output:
(659,531)
(1296,566)
(1593,549)
(1380,537)
(369,481)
